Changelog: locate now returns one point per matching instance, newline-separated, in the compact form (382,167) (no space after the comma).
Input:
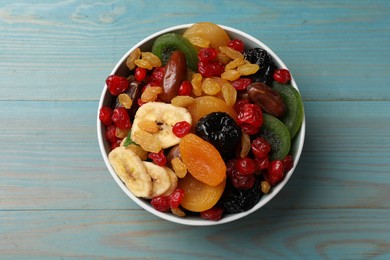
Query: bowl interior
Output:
(106,99)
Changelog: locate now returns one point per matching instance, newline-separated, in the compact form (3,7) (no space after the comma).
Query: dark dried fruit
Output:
(268,99)
(267,66)
(220,129)
(234,200)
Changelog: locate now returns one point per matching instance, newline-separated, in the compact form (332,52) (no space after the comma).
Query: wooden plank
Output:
(269,234)
(65,50)
(53,159)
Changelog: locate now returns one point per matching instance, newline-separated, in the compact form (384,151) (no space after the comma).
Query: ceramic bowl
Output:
(106,99)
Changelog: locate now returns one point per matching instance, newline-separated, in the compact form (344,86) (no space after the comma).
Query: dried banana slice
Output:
(160,178)
(132,171)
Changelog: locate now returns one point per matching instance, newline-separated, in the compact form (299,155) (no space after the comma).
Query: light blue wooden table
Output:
(57,199)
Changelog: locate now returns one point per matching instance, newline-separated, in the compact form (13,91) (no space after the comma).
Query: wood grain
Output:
(57,199)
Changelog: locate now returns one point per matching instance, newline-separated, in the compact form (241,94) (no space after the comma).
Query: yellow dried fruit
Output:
(125,100)
(196,83)
(121,133)
(234,63)
(150,94)
(151,58)
(147,141)
(134,55)
(248,69)
(245,145)
(182,101)
(179,167)
(231,75)
(149,126)
(229,94)
(231,53)
(143,64)
(210,87)
(265,187)
(178,212)
(223,58)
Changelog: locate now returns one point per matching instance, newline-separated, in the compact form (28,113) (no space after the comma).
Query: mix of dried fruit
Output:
(202,125)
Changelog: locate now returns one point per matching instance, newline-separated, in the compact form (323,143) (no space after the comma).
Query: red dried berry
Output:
(240,103)
(262,163)
(140,74)
(117,84)
(241,83)
(260,147)
(176,197)
(288,163)
(249,129)
(185,88)
(210,68)
(121,118)
(111,134)
(215,213)
(242,182)
(161,203)
(275,172)
(180,129)
(250,114)
(116,144)
(158,158)
(157,75)
(236,44)
(230,167)
(105,114)
(246,166)
(282,76)
(207,54)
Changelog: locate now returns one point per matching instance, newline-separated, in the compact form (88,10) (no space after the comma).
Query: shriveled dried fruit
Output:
(248,69)
(229,94)
(179,167)
(148,126)
(143,64)
(178,212)
(134,55)
(210,87)
(151,58)
(231,75)
(147,141)
(121,132)
(268,99)
(235,63)
(265,187)
(182,101)
(125,100)
(233,54)
(245,145)
(150,94)
(196,82)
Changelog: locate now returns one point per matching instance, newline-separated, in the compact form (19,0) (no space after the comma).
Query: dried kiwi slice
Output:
(293,116)
(167,43)
(277,134)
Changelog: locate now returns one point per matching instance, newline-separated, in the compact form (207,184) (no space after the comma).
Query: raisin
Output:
(221,131)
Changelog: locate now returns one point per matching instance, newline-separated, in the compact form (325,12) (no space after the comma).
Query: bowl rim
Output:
(199,221)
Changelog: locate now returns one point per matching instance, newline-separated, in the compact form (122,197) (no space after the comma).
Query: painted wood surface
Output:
(57,200)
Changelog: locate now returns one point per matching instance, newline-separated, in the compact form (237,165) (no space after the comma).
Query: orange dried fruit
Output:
(202,159)
(208,32)
(205,105)
(199,196)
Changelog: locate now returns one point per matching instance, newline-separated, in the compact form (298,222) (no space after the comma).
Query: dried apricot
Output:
(202,159)
(198,195)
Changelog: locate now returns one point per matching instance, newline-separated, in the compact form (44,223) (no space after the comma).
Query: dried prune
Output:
(260,57)
(220,129)
(239,200)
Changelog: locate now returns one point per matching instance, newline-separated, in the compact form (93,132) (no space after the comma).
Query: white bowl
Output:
(105,99)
